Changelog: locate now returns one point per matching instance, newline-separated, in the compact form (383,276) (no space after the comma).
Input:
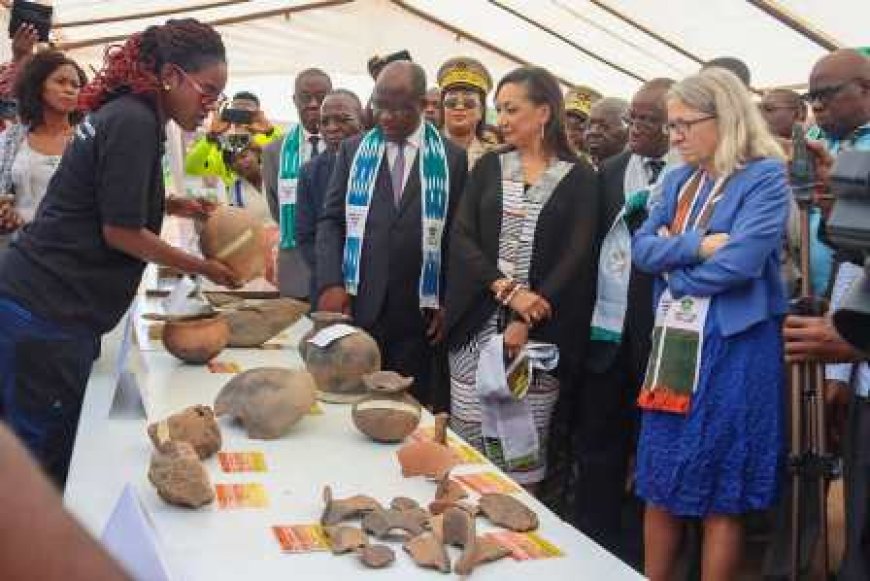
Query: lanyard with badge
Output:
(677,342)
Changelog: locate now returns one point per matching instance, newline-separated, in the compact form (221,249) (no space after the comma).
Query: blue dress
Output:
(726,455)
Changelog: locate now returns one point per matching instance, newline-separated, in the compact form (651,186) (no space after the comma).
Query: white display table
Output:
(213,544)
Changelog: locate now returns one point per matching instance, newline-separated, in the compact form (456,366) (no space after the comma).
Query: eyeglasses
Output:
(466,102)
(403,109)
(207,97)
(337,119)
(774,108)
(644,121)
(683,126)
(824,95)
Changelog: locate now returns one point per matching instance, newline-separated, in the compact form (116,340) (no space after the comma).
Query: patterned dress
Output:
(515,245)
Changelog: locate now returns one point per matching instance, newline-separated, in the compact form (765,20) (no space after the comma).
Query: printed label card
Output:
(249,495)
(488,483)
(301,538)
(526,546)
(242,461)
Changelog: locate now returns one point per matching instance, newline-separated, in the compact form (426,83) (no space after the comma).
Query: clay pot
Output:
(388,413)
(234,236)
(195,425)
(179,476)
(339,367)
(197,340)
(253,325)
(267,401)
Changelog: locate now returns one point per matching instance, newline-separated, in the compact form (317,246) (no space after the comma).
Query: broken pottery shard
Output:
(195,425)
(426,459)
(179,476)
(383,523)
(344,539)
(377,556)
(508,512)
(337,511)
(488,550)
(459,530)
(267,401)
(428,552)
(253,325)
(437,507)
(404,503)
(387,413)
(449,490)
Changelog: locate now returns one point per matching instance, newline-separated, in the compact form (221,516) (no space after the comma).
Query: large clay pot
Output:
(339,367)
(234,237)
(198,340)
(388,413)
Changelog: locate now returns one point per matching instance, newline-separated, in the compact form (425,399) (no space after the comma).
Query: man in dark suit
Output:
(622,323)
(340,119)
(388,302)
(309,90)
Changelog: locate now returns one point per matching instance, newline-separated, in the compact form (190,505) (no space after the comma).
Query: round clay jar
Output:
(388,413)
(196,341)
(234,237)
(339,367)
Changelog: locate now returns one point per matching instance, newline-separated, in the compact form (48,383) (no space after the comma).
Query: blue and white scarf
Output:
(435,182)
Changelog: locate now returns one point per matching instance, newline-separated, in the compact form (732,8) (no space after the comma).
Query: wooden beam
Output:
(286,11)
(796,23)
(475,39)
(148,14)
(648,31)
(568,41)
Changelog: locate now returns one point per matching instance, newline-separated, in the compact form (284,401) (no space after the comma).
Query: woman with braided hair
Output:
(74,270)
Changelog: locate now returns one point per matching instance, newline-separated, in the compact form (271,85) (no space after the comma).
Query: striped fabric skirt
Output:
(465,407)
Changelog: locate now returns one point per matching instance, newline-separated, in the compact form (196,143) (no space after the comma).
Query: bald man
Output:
(839,94)
(606,132)
(370,248)
(782,109)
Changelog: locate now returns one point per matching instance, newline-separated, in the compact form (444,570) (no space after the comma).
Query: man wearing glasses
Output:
(282,161)
(622,322)
(840,97)
(389,187)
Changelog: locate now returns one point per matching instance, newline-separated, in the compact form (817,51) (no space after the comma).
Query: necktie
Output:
(397,174)
(314,140)
(654,169)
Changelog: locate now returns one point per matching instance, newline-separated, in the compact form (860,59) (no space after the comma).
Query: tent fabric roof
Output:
(601,43)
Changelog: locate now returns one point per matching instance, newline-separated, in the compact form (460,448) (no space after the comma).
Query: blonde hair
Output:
(743,133)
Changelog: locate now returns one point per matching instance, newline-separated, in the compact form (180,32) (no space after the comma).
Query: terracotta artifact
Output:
(196,340)
(383,523)
(251,325)
(339,366)
(429,458)
(376,556)
(458,530)
(337,511)
(267,401)
(344,539)
(404,503)
(508,512)
(234,237)
(428,552)
(388,413)
(195,425)
(179,476)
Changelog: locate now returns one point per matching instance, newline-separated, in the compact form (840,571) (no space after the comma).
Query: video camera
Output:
(848,228)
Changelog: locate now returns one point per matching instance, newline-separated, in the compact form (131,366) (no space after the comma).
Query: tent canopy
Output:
(611,45)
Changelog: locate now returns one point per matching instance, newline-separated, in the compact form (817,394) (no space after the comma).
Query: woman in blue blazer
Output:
(711,442)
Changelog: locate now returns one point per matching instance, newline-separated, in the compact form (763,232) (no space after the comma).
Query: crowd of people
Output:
(596,288)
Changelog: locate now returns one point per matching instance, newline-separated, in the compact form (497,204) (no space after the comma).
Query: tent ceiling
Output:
(581,41)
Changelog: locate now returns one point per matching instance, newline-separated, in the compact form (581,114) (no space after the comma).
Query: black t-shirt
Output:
(111,174)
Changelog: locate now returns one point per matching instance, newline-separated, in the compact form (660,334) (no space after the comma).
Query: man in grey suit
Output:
(388,299)
(279,179)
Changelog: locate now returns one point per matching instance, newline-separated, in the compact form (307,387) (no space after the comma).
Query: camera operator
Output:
(840,97)
(242,116)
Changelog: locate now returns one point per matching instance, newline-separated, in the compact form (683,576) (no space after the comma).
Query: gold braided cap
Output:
(579,99)
(464,71)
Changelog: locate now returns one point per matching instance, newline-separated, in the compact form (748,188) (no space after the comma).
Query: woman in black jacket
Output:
(522,265)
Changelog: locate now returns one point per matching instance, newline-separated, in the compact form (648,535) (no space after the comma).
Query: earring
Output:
(166,87)
(543,128)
